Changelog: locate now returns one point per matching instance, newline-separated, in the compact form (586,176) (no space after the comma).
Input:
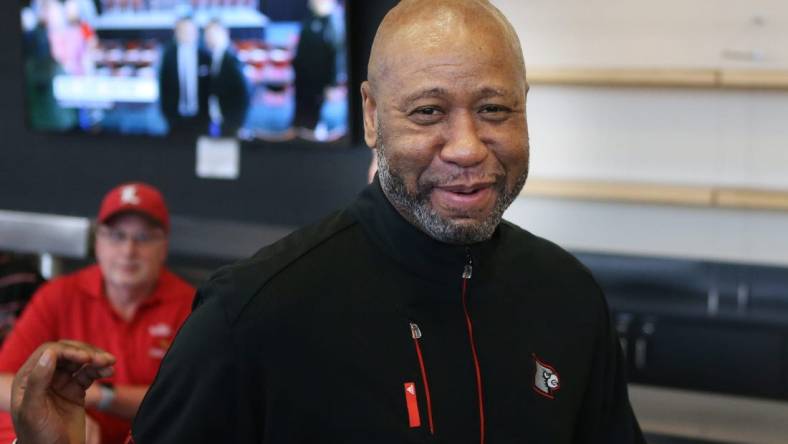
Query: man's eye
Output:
(494,112)
(427,111)
(494,109)
(426,114)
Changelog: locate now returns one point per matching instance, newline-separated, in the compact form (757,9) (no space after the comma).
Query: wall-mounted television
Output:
(270,70)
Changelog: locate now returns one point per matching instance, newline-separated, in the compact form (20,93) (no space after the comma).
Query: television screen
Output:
(271,70)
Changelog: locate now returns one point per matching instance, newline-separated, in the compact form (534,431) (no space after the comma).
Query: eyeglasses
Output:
(118,237)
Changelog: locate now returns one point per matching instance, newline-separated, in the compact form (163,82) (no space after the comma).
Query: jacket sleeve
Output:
(607,415)
(199,394)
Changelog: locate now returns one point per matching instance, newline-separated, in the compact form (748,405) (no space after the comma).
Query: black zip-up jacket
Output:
(362,329)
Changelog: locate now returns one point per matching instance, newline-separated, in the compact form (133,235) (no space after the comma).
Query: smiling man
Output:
(445,108)
(128,303)
(416,315)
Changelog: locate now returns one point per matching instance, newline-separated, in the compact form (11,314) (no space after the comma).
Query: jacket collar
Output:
(415,250)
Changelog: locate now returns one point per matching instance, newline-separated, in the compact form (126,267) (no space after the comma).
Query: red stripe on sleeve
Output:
(413,406)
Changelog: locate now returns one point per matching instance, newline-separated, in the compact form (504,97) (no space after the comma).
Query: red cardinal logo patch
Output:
(546,379)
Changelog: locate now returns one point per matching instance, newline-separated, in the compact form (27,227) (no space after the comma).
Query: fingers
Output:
(72,355)
(79,365)
(85,353)
(41,374)
(86,375)
(83,378)
(28,391)
(29,394)
(96,372)
(52,383)
(68,367)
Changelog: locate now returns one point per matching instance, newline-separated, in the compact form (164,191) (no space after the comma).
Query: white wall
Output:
(646,33)
(669,135)
(660,135)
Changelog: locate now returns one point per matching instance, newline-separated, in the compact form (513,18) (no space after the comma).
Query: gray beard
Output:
(418,210)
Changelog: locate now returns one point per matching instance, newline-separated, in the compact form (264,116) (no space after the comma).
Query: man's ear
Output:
(370,115)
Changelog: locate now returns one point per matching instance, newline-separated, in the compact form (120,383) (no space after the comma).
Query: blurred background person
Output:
(78,24)
(69,40)
(229,94)
(129,304)
(184,77)
(41,23)
(315,65)
(79,30)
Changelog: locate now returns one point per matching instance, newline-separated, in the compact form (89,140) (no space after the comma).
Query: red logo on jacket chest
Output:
(546,379)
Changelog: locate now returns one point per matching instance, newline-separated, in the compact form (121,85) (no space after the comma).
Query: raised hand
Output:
(48,393)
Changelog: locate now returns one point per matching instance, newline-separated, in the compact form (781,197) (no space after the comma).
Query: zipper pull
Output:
(415,331)
(467,272)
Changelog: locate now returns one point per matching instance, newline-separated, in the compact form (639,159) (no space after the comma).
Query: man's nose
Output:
(464,147)
(128,245)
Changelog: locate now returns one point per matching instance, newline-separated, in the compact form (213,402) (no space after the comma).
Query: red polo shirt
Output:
(76,307)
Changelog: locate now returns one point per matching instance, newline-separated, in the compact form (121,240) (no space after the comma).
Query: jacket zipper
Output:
(416,334)
(467,273)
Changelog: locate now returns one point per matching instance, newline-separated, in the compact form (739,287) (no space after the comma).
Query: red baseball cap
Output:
(135,197)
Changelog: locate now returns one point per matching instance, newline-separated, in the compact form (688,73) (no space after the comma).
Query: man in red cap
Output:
(128,304)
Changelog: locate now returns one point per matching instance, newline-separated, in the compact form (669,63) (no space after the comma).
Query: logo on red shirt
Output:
(161,334)
(160,330)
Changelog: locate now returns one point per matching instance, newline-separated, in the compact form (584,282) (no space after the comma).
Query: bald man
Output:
(415,315)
